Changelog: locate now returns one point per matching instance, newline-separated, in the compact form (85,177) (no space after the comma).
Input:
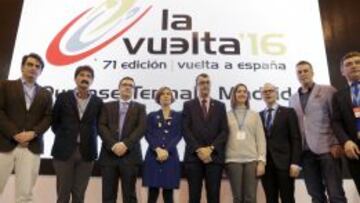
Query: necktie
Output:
(355,93)
(123,110)
(268,120)
(203,107)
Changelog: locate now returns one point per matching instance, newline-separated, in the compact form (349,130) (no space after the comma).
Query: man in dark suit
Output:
(346,114)
(205,133)
(122,125)
(25,115)
(283,144)
(75,120)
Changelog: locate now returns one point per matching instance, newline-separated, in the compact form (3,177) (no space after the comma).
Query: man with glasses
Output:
(121,126)
(283,145)
(205,133)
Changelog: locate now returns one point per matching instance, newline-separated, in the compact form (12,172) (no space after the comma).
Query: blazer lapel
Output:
(22,94)
(348,103)
(276,119)
(37,96)
(315,91)
(129,112)
(298,105)
(211,109)
(73,103)
(89,107)
(115,114)
(199,109)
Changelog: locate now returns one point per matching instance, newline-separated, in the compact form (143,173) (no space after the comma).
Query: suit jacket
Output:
(283,142)
(15,118)
(133,130)
(315,120)
(201,132)
(67,126)
(165,134)
(344,121)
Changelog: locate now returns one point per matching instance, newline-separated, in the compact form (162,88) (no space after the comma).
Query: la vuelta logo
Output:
(94,29)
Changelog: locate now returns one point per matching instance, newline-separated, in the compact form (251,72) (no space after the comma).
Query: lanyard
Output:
(242,121)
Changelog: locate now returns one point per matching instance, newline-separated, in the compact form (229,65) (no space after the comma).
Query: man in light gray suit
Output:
(321,149)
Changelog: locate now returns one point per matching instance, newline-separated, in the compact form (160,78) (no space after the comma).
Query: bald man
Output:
(283,148)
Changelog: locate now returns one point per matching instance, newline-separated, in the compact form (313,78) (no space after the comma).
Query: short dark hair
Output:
(203,75)
(126,78)
(85,68)
(233,96)
(160,92)
(303,62)
(35,56)
(349,55)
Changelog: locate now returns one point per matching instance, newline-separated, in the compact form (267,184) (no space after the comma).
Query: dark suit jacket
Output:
(15,118)
(343,119)
(284,142)
(133,131)
(201,132)
(67,125)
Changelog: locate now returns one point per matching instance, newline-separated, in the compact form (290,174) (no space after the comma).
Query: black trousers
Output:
(154,194)
(277,183)
(211,173)
(354,168)
(110,182)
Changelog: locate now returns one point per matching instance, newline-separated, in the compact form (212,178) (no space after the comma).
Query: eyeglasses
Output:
(267,91)
(127,85)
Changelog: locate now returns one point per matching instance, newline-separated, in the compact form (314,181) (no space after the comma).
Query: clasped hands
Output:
(23,138)
(204,154)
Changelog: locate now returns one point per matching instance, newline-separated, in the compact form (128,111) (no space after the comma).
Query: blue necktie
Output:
(123,110)
(268,120)
(355,93)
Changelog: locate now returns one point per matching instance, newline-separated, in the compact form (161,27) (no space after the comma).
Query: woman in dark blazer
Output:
(162,165)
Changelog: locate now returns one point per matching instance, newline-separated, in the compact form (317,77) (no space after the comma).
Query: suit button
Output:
(166,131)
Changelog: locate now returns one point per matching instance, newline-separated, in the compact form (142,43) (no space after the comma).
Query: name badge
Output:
(356,111)
(241,135)
(358,135)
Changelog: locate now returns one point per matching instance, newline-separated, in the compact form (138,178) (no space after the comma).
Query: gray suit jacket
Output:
(315,119)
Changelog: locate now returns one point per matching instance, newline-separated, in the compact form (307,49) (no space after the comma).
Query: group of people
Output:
(320,126)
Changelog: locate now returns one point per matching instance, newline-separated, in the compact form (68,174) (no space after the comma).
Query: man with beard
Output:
(75,118)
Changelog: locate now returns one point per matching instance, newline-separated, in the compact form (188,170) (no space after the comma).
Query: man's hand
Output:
(336,151)
(294,171)
(204,154)
(119,149)
(351,150)
(24,137)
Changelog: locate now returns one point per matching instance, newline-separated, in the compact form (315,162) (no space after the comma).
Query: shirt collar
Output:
(274,107)
(24,82)
(308,92)
(123,101)
(207,99)
(76,90)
